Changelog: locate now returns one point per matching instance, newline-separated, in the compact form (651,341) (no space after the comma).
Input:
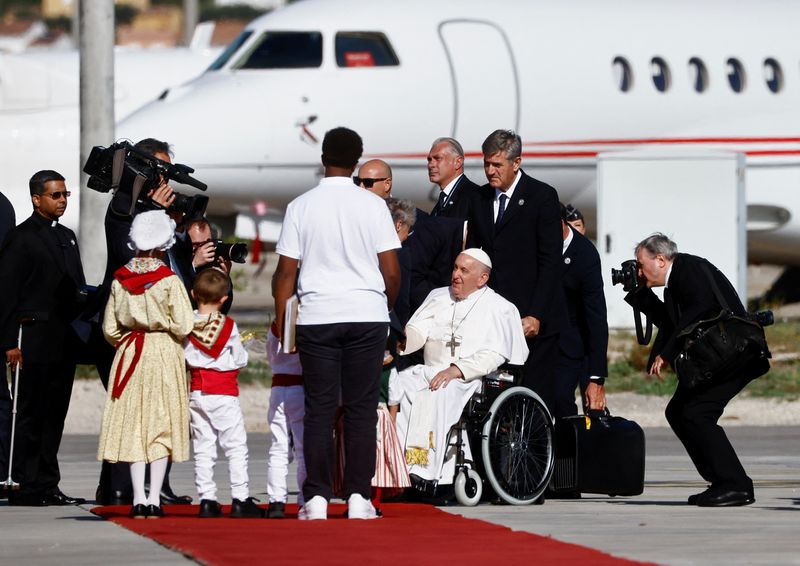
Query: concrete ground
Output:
(657,526)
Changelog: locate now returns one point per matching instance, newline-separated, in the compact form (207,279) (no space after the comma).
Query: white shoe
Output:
(315,509)
(360,508)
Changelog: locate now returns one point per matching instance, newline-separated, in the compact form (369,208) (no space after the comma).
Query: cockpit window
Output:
(284,50)
(230,50)
(364,49)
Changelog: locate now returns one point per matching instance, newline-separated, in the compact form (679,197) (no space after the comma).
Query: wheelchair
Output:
(510,431)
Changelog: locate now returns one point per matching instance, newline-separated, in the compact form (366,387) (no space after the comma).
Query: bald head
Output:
(376,176)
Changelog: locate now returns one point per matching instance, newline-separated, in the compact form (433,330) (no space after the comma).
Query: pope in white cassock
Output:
(467,331)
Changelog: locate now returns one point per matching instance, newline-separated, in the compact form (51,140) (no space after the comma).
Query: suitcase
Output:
(598,454)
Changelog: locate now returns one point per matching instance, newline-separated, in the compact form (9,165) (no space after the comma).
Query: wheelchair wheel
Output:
(468,487)
(517,446)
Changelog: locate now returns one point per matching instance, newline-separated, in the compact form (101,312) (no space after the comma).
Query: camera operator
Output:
(693,413)
(115,485)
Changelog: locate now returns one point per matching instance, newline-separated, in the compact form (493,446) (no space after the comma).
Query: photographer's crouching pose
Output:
(694,291)
(466,331)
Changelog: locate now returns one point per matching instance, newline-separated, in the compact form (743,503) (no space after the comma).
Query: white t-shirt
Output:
(337,230)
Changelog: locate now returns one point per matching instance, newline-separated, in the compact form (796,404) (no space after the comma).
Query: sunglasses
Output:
(56,195)
(367,182)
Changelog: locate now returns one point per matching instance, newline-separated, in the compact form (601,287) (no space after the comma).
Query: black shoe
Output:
(246,509)
(115,497)
(27,500)
(210,508)
(138,511)
(168,497)
(155,511)
(58,497)
(277,510)
(725,498)
(694,498)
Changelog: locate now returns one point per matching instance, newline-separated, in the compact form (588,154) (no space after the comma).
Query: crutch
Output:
(9,483)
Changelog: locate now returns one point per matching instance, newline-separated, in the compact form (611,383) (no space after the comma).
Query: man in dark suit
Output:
(693,413)
(584,340)
(41,278)
(446,169)
(516,220)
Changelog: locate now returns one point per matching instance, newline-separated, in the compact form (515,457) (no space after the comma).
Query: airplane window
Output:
(773,75)
(623,75)
(736,75)
(660,72)
(284,50)
(698,74)
(364,49)
(230,50)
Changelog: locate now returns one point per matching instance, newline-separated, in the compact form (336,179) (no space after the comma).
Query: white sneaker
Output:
(360,508)
(315,509)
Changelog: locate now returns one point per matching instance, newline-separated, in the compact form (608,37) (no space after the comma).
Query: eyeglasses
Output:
(56,195)
(367,182)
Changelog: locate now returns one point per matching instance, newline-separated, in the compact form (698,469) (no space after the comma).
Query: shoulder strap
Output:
(717,293)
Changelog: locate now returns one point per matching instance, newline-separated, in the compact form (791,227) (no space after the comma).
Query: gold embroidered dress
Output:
(150,418)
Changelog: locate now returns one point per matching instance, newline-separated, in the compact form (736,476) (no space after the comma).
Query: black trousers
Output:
(693,416)
(342,360)
(570,373)
(541,368)
(42,404)
(5,423)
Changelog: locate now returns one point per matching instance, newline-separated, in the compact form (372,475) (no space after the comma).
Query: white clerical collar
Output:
(669,272)
(567,241)
(451,185)
(510,191)
(54,223)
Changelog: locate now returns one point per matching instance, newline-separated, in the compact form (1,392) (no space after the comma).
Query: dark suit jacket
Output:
(40,275)
(7,218)
(689,298)
(433,248)
(586,334)
(458,203)
(525,249)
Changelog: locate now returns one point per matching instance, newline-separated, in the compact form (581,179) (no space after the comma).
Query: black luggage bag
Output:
(598,454)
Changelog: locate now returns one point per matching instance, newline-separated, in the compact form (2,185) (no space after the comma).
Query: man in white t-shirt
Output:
(342,240)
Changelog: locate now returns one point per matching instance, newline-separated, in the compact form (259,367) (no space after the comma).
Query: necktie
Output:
(439,203)
(502,209)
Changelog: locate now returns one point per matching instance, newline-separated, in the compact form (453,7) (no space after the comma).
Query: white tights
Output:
(158,469)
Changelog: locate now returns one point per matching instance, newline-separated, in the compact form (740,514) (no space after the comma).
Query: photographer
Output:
(693,412)
(208,252)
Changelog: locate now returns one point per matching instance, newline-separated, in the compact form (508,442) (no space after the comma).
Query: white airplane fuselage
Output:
(543,69)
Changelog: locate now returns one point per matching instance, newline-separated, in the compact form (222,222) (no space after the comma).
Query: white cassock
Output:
(477,334)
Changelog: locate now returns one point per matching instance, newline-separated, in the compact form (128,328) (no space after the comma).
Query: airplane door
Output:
(484,77)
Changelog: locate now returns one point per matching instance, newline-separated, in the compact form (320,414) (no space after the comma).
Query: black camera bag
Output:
(714,348)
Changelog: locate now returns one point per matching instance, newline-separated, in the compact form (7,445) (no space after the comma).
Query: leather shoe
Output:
(27,500)
(210,508)
(155,511)
(693,499)
(115,497)
(725,498)
(168,497)
(138,511)
(58,497)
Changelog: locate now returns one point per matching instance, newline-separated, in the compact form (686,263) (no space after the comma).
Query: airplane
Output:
(39,106)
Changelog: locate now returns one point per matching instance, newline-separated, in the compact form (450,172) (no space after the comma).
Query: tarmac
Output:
(657,526)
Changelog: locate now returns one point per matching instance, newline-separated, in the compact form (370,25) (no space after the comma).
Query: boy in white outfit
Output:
(285,416)
(214,355)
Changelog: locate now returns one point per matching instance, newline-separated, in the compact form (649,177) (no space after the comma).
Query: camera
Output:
(762,318)
(123,168)
(236,253)
(628,275)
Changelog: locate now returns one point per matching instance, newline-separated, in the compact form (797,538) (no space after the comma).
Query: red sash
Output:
(215,382)
(138,283)
(215,348)
(135,337)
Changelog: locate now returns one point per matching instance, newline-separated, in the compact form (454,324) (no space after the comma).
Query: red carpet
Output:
(407,534)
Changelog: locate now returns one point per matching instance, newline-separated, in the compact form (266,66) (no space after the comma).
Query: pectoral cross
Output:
(453,343)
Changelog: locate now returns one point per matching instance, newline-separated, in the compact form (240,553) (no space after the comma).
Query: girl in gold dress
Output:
(146,417)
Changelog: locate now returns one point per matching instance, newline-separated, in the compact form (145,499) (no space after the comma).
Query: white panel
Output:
(486,84)
(696,198)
